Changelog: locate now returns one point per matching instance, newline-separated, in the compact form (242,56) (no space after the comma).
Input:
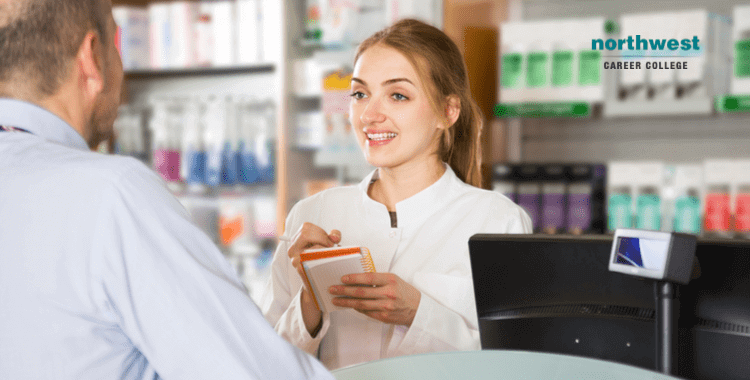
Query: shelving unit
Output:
(673,131)
(200,71)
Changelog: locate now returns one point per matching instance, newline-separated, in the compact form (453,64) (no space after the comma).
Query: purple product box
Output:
(531,201)
(553,198)
(579,208)
(553,206)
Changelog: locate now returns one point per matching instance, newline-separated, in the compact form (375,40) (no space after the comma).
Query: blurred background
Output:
(240,105)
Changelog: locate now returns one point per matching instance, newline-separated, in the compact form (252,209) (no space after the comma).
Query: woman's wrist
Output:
(311,315)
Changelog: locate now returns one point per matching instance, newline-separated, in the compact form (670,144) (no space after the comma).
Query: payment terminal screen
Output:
(643,253)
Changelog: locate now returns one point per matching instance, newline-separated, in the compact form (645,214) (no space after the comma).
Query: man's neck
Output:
(64,107)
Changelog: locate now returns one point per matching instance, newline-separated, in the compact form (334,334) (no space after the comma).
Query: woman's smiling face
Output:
(390,110)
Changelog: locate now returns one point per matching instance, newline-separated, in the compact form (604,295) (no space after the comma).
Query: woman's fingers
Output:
(364,305)
(376,279)
(335,236)
(309,236)
(357,291)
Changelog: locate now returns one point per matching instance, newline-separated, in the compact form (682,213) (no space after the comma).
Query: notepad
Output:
(324,268)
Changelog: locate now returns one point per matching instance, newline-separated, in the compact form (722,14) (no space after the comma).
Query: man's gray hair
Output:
(38,39)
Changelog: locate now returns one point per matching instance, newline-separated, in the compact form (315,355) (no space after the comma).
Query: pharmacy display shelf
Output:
(703,106)
(263,68)
(623,109)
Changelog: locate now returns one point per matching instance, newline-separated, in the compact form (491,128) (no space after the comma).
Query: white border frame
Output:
(641,234)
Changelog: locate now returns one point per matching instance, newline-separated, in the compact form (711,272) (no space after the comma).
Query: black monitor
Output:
(552,293)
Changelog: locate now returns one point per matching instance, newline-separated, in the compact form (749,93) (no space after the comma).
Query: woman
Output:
(415,121)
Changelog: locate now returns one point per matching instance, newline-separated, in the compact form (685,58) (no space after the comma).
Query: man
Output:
(102,275)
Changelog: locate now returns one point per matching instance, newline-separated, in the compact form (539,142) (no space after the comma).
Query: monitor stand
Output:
(666,326)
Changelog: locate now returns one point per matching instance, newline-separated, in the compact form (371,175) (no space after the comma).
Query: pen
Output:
(288,239)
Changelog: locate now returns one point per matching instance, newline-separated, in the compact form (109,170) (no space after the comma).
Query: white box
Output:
(248,32)
(740,84)
(132,30)
(160,34)
(513,48)
(204,35)
(184,15)
(224,35)
(311,130)
(272,21)
(584,31)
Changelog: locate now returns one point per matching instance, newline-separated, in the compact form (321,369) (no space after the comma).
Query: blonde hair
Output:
(441,68)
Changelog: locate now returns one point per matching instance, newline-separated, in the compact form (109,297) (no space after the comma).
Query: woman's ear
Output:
(452,110)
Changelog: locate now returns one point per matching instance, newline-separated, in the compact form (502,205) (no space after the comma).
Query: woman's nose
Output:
(372,112)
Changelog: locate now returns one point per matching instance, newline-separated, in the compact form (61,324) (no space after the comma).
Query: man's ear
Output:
(90,65)
(452,110)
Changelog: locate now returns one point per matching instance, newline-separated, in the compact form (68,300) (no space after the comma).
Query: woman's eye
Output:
(399,97)
(357,95)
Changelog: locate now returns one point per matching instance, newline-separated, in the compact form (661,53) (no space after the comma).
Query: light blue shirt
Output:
(103,275)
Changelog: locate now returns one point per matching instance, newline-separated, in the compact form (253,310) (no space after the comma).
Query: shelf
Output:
(200,71)
(682,107)
(543,109)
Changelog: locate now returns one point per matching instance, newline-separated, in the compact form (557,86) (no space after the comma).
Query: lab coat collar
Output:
(415,209)
(40,122)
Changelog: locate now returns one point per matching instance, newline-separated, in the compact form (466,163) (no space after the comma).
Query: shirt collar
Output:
(39,121)
(417,207)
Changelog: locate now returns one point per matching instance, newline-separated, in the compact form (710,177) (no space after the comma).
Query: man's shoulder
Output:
(86,169)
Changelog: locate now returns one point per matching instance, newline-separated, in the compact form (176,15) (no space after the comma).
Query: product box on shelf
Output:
(183,15)
(586,198)
(249,31)
(559,197)
(718,195)
(694,38)
(683,203)
(741,206)
(132,36)
(554,198)
(528,196)
(740,82)
(620,195)
(160,34)
(648,182)
(551,61)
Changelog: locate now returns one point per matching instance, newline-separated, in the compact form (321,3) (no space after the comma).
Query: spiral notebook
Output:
(324,268)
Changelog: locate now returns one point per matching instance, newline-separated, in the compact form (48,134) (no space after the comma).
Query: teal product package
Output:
(648,212)
(619,211)
(687,217)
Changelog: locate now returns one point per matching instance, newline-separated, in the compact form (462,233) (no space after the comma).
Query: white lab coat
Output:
(428,249)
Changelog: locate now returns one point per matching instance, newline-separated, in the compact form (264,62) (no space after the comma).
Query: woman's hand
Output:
(382,296)
(310,236)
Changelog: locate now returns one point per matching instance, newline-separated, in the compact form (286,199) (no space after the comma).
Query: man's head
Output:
(61,54)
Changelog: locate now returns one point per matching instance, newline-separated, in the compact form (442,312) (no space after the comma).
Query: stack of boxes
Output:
(185,34)
(551,61)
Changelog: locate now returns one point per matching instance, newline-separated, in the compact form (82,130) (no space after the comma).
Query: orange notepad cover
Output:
(324,268)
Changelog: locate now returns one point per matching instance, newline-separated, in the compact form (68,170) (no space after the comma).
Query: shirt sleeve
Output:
(175,296)
(281,301)
(446,318)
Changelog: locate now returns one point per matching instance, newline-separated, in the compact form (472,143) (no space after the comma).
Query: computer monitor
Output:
(555,294)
